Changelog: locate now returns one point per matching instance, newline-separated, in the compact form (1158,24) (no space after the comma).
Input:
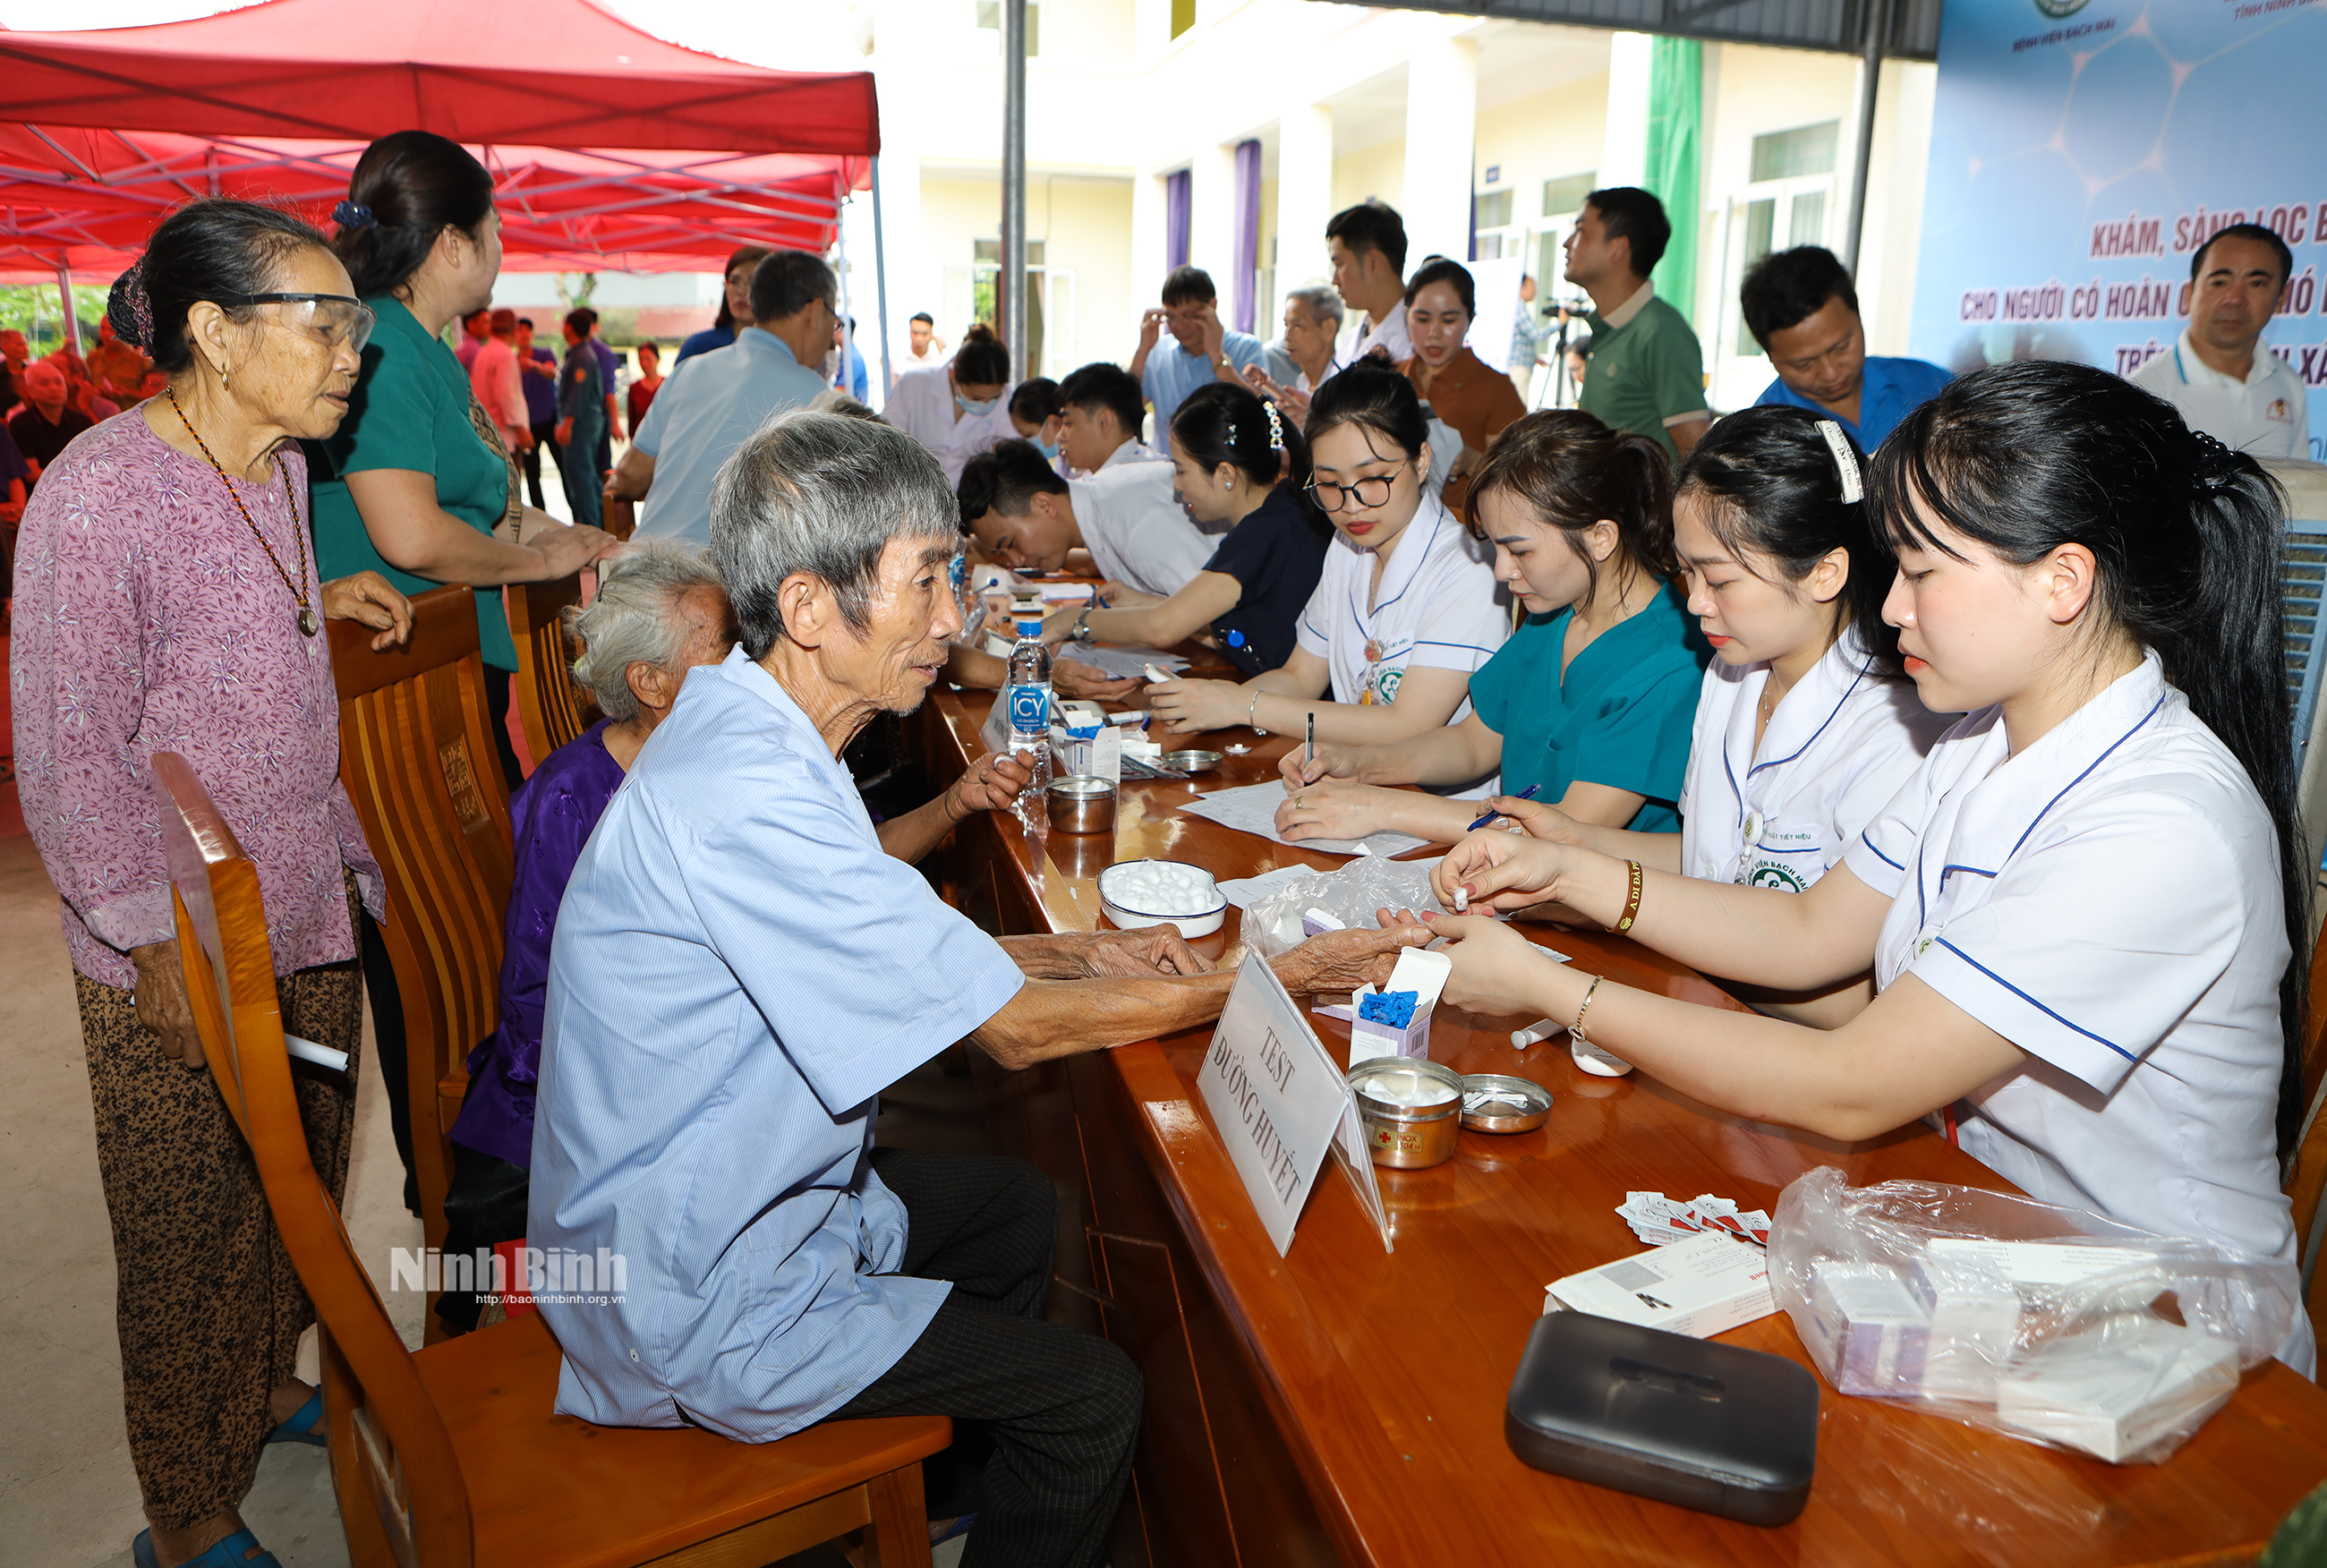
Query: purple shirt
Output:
(552,814)
(148,618)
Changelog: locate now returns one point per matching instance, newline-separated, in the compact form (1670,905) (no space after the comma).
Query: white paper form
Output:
(1252,809)
(1121,663)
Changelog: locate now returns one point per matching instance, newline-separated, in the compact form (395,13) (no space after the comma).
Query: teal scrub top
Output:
(410,409)
(1621,717)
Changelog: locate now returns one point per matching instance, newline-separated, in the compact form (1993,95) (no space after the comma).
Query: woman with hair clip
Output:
(734,306)
(2079,910)
(416,485)
(1235,462)
(1806,727)
(959,408)
(1405,610)
(1588,705)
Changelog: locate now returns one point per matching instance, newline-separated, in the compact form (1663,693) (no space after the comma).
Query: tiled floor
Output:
(68,1497)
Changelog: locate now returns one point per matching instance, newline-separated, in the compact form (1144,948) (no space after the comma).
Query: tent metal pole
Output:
(1870,77)
(72,317)
(881,284)
(840,239)
(1013,185)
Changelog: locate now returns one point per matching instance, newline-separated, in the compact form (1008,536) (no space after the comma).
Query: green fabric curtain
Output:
(1675,127)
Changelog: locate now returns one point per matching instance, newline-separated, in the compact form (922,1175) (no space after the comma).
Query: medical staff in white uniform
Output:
(1405,611)
(959,408)
(1024,516)
(2219,373)
(2080,910)
(1587,706)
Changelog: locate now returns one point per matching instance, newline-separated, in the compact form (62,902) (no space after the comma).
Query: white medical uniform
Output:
(1435,609)
(2268,414)
(1839,746)
(1391,337)
(1137,530)
(1132,451)
(923,407)
(2107,901)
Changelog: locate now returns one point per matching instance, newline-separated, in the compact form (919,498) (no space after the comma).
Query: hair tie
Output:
(1276,430)
(351,215)
(137,304)
(2216,465)
(1838,443)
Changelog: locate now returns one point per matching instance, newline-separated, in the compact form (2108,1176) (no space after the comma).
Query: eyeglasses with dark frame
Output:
(1371,490)
(338,317)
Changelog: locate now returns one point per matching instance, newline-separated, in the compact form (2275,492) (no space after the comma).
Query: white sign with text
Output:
(1280,1102)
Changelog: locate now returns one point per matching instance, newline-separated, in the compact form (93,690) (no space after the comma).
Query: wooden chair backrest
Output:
(622,519)
(553,708)
(389,1448)
(417,758)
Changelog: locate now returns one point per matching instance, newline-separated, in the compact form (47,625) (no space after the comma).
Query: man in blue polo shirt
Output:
(1202,349)
(713,401)
(1800,307)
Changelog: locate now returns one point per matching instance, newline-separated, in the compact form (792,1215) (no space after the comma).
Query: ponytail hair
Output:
(409,188)
(982,360)
(1217,423)
(1571,470)
(1787,486)
(2027,457)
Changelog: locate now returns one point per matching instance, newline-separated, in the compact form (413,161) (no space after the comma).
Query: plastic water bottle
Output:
(973,609)
(1027,694)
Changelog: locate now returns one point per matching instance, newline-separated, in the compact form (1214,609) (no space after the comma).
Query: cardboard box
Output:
(1698,1287)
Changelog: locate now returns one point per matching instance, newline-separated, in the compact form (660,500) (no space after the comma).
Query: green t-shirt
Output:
(410,409)
(1644,372)
(1621,717)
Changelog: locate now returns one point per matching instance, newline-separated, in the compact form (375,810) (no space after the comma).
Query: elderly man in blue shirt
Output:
(1202,348)
(714,399)
(739,970)
(1800,307)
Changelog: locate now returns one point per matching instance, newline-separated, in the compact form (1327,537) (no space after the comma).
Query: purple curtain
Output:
(1247,232)
(1175,219)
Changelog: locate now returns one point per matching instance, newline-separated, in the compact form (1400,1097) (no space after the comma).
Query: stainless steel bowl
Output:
(1411,1107)
(1079,803)
(1191,762)
(1495,1102)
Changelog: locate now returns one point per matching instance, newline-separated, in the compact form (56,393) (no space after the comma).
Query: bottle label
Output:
(1030,710)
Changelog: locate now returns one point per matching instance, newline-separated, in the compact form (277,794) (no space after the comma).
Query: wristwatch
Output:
(1082,631)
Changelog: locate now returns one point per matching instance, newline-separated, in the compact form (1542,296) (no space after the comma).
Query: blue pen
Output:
(1526,794)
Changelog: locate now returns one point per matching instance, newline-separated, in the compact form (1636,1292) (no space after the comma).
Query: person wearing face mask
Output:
(734,306)
(711,403)
(1588,704)
(1239,464)
(957,409)
(1405,610)
(1457,387)
(1034,415)
(2079,910)
(1020,513)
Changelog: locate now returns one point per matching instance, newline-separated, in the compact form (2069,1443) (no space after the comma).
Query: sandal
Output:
(226,1554)
(306,1425)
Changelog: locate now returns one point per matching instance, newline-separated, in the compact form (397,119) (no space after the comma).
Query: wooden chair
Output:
(554,709)
(622,519)
(417,758)
(451,1457)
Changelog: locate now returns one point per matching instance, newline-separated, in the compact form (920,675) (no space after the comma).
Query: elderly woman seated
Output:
(660,613)
(740,971)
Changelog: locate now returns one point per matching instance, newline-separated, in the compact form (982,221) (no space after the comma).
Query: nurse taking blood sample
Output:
(2079,910)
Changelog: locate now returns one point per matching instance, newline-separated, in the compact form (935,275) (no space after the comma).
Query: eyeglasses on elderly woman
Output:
(333,318)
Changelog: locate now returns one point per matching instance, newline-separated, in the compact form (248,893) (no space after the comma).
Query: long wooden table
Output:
(1342,1405)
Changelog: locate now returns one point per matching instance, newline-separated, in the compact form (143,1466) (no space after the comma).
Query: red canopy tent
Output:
(595,130)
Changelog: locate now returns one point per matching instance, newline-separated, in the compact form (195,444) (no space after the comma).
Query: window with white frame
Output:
(1788,201)
(1563,198)
(1491,226)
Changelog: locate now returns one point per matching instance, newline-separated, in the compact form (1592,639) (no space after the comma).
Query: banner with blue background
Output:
(2083,150)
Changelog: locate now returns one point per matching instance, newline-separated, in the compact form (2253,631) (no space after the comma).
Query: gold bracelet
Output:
(1632,902)
(1576,1028)
(1251,708)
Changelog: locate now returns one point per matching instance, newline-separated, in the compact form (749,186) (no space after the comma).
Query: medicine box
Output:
(1706,1285)
(1423,973)
(1867,1330)
(2112,1394)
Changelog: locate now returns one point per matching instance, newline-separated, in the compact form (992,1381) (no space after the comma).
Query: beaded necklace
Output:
(308,624)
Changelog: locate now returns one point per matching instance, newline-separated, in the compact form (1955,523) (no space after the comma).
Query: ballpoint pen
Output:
(1310,761)
(1526,794)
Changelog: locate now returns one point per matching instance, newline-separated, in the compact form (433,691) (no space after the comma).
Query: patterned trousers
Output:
(1055,1412)
(208,1308)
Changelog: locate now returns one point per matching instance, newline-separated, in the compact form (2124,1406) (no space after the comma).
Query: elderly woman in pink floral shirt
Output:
(165,600)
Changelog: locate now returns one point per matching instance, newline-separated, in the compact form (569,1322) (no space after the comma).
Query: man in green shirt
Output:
(1648,372)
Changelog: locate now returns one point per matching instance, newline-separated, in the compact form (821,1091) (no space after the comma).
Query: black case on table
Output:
(1712,1427)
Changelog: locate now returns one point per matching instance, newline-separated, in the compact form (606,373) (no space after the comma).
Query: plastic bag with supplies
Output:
(2053,1325)
(1350,895)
